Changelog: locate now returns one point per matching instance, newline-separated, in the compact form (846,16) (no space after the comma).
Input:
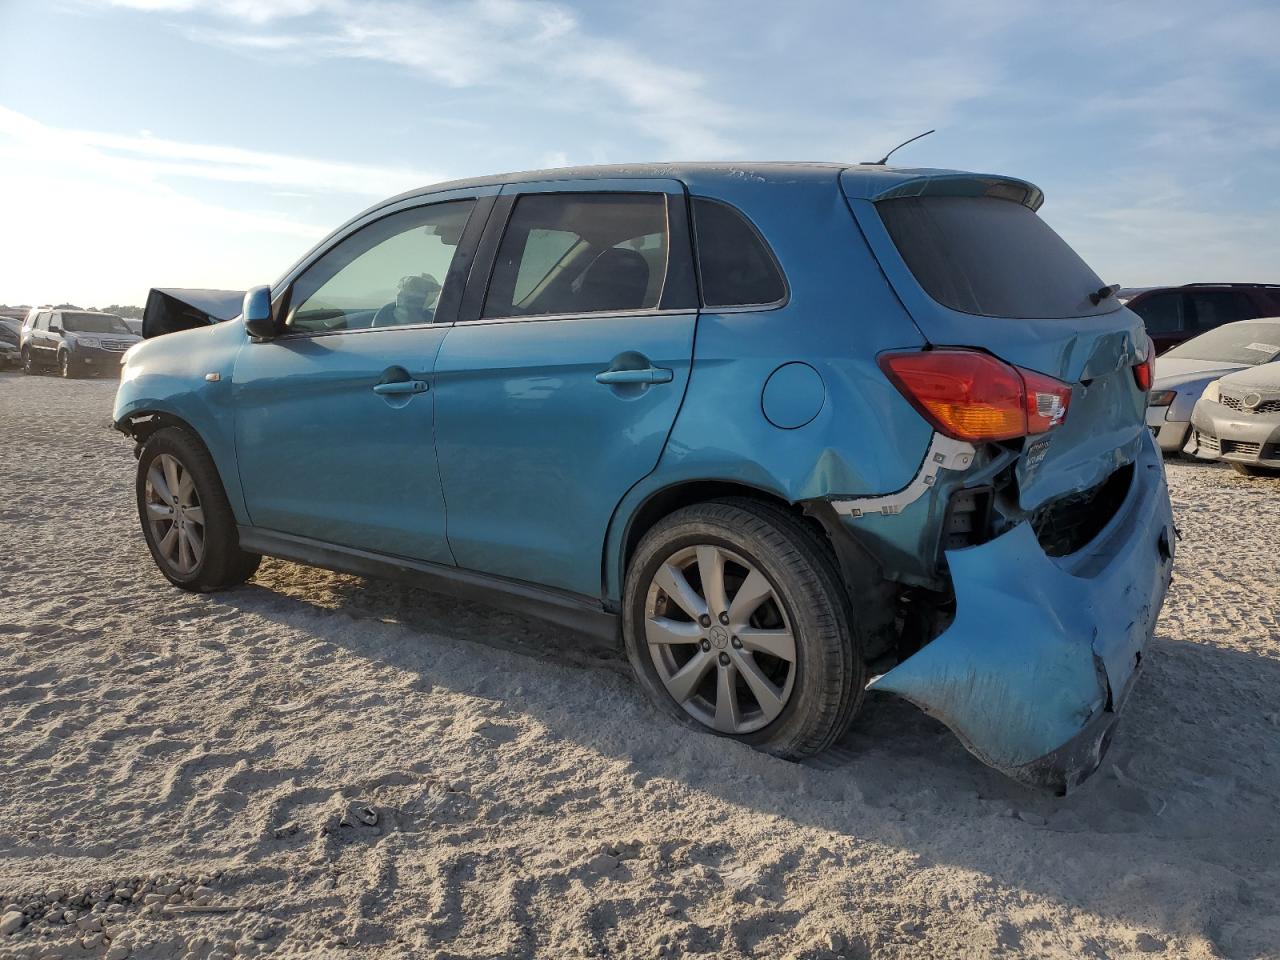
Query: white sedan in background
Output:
(1183,372)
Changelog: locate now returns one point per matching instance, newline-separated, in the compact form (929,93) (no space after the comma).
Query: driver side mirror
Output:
(257,313)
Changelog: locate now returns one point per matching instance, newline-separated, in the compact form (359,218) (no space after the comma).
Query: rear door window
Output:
(1162,313)
(574,253)
(1213,308)
(735,266)
(991,257)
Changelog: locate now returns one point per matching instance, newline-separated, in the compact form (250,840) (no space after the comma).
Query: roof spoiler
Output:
(171,309)
(880,183)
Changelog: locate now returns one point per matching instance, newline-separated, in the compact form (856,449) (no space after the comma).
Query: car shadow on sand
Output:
(1187,794)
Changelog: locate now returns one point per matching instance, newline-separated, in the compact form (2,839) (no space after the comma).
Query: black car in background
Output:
(10,338)
(1175,314)
(75,342)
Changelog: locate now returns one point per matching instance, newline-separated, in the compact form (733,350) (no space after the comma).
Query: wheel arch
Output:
(856,567)
(139,424)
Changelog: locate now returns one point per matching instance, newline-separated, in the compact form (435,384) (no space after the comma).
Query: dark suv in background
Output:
(1175,314)
(75,342)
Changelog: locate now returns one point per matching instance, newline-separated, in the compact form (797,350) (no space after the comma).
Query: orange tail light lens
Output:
(968,395)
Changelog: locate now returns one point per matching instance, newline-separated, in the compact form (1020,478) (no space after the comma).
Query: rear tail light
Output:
(1144,372)
(972,396)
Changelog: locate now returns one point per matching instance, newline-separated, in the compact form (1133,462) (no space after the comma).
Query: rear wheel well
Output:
(671,499)
(874,597)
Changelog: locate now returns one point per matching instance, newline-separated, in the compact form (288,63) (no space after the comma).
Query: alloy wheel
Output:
(719,638)
(174,514)
(64,365)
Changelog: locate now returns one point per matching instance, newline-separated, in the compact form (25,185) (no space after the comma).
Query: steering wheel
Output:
(386,316)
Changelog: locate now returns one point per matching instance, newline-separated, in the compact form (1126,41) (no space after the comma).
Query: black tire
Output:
(65,369)
(829,667)
(222,564)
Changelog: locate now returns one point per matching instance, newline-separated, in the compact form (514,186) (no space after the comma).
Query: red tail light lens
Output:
(972,396)
(1144,372)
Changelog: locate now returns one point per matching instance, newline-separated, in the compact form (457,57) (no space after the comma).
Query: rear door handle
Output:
(401,386)
(648,375)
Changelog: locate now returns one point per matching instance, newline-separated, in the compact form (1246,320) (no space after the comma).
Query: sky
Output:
(210,143)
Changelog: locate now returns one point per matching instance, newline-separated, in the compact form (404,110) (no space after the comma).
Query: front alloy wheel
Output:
(719,639)
(186,519)
(174,514)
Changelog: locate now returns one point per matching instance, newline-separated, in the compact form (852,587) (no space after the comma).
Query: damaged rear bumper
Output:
(1043,650)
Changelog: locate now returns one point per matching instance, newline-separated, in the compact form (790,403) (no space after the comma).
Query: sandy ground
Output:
(323,766)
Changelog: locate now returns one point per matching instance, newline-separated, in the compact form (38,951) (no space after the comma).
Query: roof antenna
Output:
(885,159)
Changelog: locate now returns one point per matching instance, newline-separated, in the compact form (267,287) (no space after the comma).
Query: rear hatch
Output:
(975,266)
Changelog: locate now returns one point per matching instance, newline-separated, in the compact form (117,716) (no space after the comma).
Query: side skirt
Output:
(573,611)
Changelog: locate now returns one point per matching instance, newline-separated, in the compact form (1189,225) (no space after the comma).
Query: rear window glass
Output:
(991,257)
(735,266)
(1251,343)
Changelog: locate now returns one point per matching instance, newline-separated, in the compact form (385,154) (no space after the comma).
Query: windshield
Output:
(1250,342)
(94,323)
(992,257)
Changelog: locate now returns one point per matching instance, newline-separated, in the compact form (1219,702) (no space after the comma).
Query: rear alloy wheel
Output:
(732,670)
(28,365)
(186,519)
(736,621)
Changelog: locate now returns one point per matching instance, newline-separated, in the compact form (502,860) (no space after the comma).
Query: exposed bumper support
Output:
(1032,672)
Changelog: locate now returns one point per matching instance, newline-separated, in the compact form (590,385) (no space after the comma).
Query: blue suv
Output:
(794,431)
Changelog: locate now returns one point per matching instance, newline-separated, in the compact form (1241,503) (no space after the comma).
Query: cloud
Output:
(98,217)
(151,159)
(529,48)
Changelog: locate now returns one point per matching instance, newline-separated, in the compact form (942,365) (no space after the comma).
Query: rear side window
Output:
(1162,312)
(735,266)
(571,253)
(991,257)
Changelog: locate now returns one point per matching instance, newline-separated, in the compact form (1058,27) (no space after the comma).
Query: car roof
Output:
(868,180)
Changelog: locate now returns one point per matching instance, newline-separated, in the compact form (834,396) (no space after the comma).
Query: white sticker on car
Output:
(1263,347)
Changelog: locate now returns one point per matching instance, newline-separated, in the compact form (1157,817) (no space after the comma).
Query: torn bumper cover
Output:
(1043,651)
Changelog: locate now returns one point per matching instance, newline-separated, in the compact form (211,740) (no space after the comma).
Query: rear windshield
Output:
(991,257)
(1251,343)
(93,323)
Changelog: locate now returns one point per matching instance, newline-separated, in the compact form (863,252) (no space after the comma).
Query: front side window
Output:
(570,253)
(390,273)
(734,265)
(1161,312)
(991,257)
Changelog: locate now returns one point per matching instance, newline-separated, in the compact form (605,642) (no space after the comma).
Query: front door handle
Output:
(648,375)
(397,387)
